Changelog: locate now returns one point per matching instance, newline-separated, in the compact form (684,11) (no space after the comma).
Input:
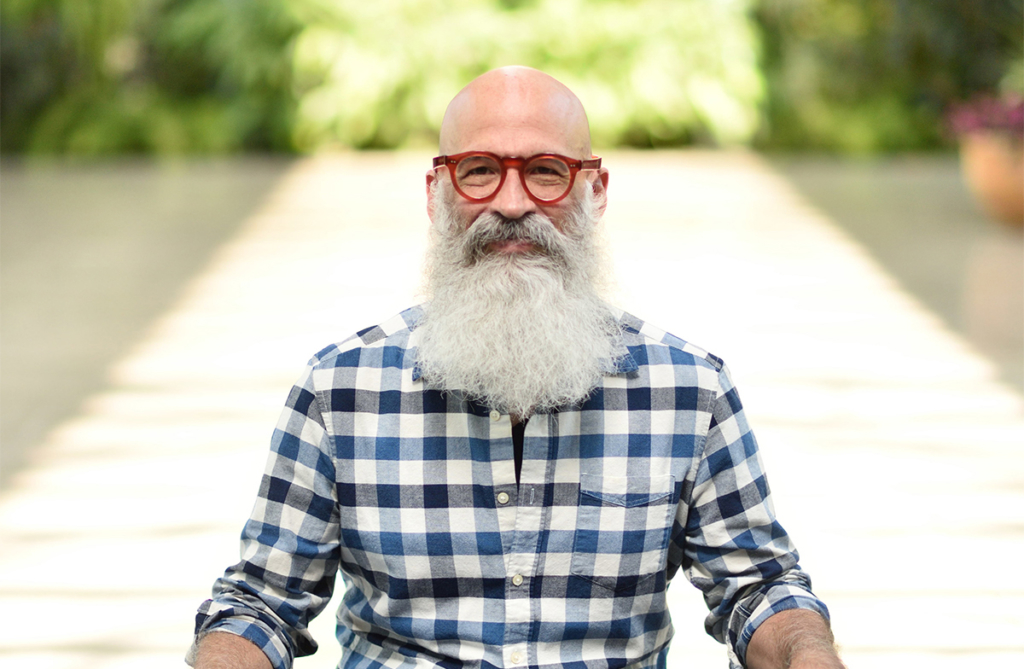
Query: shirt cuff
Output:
(252,630)
(751,614)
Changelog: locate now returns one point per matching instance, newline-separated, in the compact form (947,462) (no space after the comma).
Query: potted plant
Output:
(991,134)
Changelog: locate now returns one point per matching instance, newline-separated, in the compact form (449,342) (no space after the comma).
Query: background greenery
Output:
(174,76)
(878,75)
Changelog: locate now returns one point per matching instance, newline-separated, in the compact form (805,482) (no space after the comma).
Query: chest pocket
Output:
(622,529)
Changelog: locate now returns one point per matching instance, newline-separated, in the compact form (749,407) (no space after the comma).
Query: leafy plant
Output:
(166,76)
(865,76)
(656,73)
(174,76)
(156,76)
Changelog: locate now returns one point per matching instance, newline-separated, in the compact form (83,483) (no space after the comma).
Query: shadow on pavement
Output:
(916,217)
(90,254)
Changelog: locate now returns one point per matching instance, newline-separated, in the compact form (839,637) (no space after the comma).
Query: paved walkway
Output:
(895,455)
(90,254)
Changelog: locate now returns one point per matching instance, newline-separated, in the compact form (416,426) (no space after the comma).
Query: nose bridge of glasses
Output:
(513,191)
(513,163)
(516,164)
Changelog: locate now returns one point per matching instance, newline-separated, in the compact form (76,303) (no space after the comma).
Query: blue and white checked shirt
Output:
(448,563)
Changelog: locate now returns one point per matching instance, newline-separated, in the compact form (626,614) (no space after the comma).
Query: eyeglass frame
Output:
(575,165)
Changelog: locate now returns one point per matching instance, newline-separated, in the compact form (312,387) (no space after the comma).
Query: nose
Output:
(512,200)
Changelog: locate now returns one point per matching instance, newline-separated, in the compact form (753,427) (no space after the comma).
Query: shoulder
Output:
(650,345)
(391,336)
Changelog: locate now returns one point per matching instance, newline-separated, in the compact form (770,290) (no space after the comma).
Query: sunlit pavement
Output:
(895,456)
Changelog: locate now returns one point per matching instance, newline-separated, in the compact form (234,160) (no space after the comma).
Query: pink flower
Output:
(987,113)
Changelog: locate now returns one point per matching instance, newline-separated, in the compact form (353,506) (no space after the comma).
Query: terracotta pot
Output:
(993,166)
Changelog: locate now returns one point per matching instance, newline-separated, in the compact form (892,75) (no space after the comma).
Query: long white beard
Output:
(520,332)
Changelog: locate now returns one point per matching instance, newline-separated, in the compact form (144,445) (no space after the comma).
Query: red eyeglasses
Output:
(546,177)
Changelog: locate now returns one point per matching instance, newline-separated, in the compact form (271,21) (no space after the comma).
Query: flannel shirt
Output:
(411,492)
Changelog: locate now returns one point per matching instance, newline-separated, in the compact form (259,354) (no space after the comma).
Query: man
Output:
(510,475)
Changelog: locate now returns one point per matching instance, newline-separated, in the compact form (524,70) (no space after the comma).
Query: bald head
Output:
(516,111)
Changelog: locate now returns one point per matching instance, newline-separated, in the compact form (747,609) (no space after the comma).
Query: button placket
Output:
(499,427)
(522,556)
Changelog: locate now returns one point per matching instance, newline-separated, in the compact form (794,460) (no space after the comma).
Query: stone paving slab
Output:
(894,453)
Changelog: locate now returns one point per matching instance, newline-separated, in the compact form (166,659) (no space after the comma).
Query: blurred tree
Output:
(172,76)
(651,73)
(878,75)
(48,51)
(165,76)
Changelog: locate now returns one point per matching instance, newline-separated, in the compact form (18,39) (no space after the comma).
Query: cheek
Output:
(556,216)
(466,214)
(559,213)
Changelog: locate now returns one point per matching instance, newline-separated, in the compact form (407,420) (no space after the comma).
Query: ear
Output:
(600,186)
(431,181)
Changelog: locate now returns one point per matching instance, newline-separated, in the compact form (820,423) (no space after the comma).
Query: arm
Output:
(793,639)
(728,539)
(221,650)
(290,546)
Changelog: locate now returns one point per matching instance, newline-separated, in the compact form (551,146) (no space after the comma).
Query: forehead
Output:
(514,139)
(517,120)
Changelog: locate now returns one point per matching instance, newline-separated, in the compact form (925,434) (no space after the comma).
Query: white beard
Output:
(520,332)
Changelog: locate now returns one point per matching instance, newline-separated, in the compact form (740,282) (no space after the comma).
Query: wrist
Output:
(793,639)
(820,657)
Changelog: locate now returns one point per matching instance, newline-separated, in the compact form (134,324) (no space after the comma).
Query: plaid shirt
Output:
(448,563)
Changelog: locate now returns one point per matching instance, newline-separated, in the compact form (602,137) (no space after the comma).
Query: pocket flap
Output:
(627,491)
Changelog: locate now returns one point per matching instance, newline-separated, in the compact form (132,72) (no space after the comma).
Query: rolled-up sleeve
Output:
(290,544)
(733,547)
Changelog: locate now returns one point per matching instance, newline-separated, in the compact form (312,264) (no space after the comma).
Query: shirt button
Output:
(495,415)
(502,498)
(517,580)
(516,657)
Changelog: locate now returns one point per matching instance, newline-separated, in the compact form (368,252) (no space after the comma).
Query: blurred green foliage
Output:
(660,72)
(162,76)
(866,76)
(173,76)
(167,76)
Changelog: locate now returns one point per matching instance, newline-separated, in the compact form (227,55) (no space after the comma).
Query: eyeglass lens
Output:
(546,178)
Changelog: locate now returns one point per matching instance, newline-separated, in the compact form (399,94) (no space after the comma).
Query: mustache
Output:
(534,228)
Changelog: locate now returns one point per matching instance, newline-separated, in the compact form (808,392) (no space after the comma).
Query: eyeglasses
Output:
(546,177)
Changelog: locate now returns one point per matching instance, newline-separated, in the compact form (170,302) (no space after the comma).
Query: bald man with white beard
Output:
(511,474)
